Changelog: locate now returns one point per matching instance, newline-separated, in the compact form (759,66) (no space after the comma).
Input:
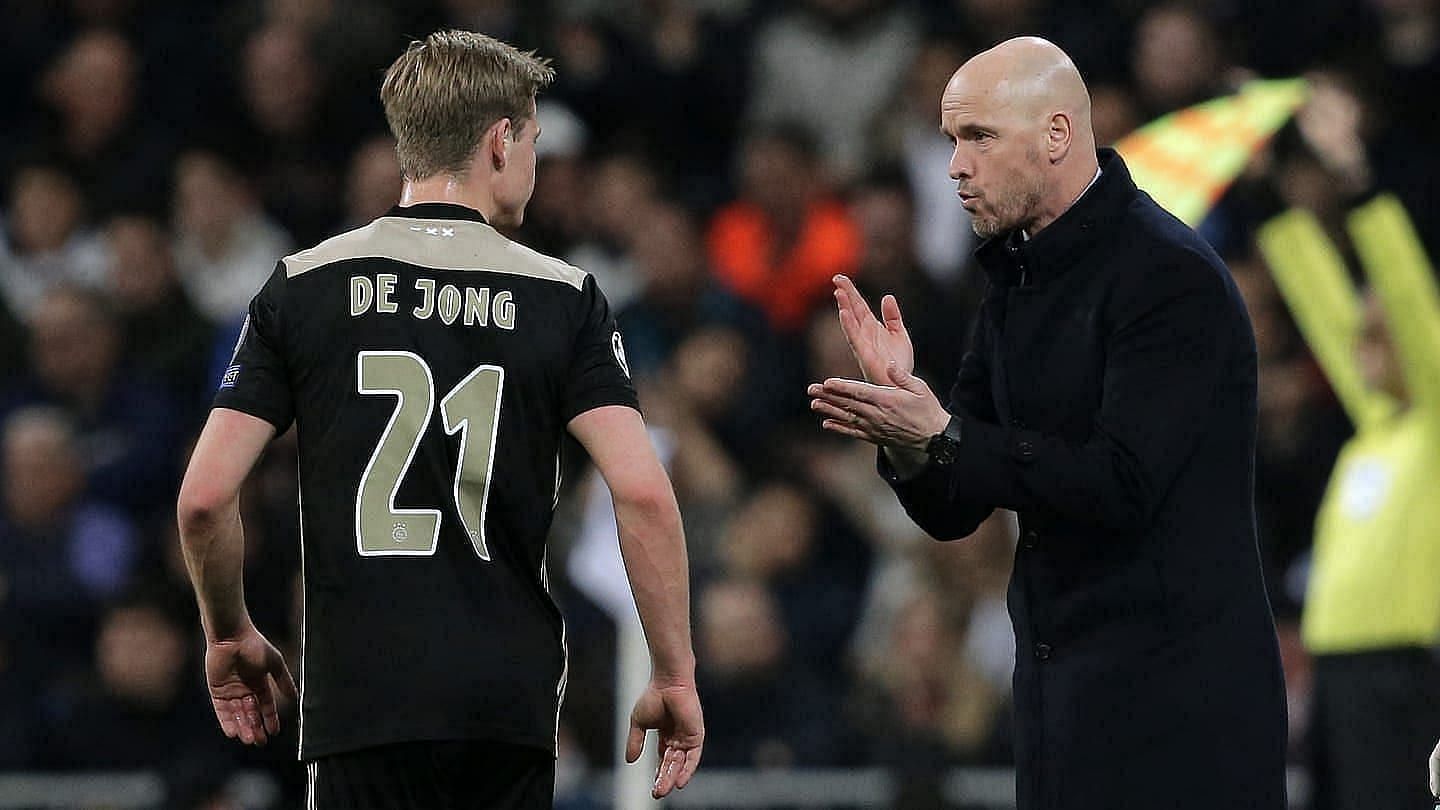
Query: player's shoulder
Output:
(439,245)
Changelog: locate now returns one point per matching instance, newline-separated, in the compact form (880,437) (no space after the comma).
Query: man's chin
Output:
(985,228)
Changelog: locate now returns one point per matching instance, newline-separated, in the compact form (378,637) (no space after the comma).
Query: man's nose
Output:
(961,167)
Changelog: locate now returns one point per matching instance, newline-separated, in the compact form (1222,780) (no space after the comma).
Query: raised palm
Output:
(875,343)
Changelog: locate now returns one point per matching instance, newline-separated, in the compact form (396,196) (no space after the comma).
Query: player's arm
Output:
(652,543)
(243,669)
(1316,287)
(1401,275)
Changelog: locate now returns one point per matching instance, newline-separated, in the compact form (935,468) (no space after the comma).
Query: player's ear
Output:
(1059,136)
(497,143)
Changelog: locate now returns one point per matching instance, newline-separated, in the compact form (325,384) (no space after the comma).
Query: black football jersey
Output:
(430,366)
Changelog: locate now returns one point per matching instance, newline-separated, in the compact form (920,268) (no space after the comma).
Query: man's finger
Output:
(1435,772)
(665,774)
(890,311)
(635,743)
(252,717)
(226,718)
(857,303)
(269,713)
(848,430)
(829,411)
(687,768)
(857,390)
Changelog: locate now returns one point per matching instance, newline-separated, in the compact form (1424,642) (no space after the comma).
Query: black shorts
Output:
(432,776)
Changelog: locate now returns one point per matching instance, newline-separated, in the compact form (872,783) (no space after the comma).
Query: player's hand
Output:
(874,343)
(1435,772)
(244,673)
(904,414)
(673,710)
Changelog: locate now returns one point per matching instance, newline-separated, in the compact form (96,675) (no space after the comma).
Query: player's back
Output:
(430,366)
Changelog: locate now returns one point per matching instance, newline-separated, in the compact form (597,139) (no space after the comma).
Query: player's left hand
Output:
(904,414)
(673,710)
(244,673)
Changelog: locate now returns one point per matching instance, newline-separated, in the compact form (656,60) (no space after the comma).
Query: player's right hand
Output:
(244,673)
(873,342)
(673,710)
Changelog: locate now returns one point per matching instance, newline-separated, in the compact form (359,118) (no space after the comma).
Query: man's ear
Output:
(1059,137)
(497,142)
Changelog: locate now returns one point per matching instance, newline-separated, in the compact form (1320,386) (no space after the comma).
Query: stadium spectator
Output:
(45,240)
(294,134)
(62,554)
(139,710)
(678,294)
(127,426)
(767,707)
(831,66)
(883,209)
(619,187)
(1176,60)
(118,153)
(811,561)
(225,244)
(906,135)
(165,336)
(779,244)
(372,185)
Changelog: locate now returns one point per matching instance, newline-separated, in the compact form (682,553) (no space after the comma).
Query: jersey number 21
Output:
(471,408)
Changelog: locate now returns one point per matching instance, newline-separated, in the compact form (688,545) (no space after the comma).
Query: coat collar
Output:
(1054,249)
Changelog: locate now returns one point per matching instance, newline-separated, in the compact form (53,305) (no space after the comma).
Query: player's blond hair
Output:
(444,92)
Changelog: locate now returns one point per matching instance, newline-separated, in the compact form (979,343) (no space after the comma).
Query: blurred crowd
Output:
(713,163)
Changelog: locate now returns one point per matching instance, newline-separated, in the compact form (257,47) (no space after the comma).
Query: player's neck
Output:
(453,189)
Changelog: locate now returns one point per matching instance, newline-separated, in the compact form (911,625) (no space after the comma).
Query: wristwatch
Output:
(944,446)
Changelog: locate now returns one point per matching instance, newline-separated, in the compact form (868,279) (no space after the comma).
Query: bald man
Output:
(1108,399)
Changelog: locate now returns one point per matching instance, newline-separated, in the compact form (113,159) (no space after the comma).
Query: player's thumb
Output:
(275,663)
(902,378)
(890,311)
(635,743)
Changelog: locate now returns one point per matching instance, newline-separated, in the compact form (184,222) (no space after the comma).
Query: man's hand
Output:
(875,344)
(904,414)
(673,710)
(244,673)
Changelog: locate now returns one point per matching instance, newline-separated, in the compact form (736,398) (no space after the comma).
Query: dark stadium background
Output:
(158,156)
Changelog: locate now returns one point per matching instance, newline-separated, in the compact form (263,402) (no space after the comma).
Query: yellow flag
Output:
(1188,158)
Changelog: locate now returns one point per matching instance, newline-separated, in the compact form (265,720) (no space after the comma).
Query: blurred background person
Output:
(126,424)
(1372,611)
(62,553)
(226,244)
(46,239)
(786,235)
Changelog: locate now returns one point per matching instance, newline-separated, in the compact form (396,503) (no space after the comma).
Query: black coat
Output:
(1109,399)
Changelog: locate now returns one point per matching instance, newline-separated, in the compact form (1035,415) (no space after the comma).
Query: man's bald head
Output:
(1019,114)
(1029,74)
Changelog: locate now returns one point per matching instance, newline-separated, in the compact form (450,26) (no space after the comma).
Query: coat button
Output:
(1043,651)
(1025,450)
(1030,540)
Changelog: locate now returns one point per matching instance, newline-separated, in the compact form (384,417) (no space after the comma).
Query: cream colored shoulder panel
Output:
(441,244)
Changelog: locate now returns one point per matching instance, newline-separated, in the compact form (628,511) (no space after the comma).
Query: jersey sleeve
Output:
(599,373)
(256,381)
